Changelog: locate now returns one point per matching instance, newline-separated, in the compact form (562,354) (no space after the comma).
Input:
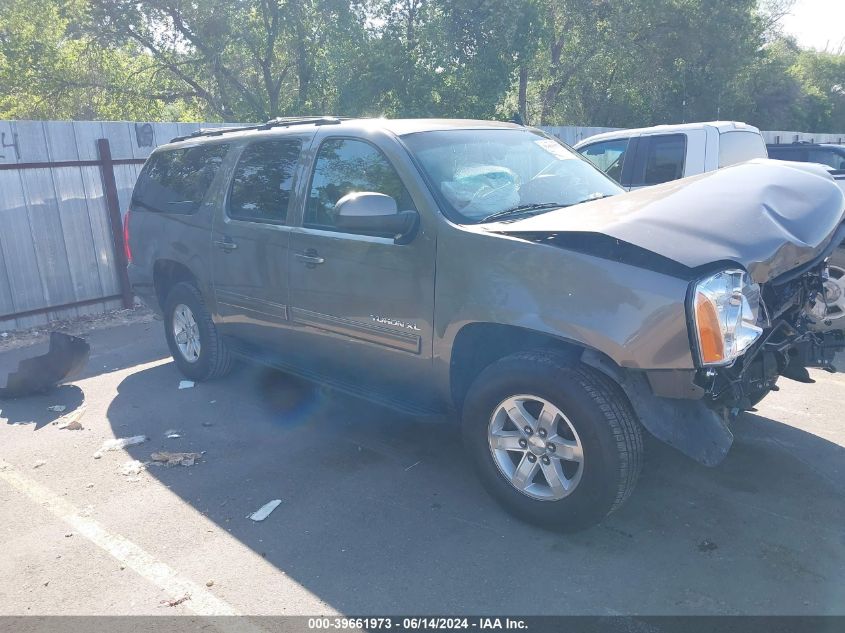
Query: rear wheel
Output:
(193,339)
(556,444)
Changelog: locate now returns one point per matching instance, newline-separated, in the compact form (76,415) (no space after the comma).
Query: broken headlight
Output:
(724,312)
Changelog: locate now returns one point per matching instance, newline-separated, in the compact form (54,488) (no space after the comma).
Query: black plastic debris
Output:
(65,358)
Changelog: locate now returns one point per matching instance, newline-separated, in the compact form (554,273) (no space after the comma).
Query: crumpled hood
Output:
(768,216)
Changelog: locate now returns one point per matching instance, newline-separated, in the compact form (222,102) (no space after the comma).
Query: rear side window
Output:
(344,166)
(262,182)
(664,160)
(738,147)
(176,181)
(608,156)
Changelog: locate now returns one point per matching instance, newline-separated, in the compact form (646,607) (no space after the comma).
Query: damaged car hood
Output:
(768,216)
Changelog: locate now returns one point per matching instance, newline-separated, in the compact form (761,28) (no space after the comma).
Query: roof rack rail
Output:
(277,122)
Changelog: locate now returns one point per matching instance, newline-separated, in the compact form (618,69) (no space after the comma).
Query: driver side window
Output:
(345,166)
(608,156)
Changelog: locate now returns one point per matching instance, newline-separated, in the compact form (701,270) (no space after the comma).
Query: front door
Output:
(250,242)
(361,305)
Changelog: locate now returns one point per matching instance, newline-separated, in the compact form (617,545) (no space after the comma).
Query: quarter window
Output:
(345,166)
(176,181)
(263,179)
(664,158)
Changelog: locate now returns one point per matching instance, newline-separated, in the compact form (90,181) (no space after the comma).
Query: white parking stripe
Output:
(202,601)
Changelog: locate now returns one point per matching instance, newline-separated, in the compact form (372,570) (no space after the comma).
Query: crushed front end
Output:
(779,330)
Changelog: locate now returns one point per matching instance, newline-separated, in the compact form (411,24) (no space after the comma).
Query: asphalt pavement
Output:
(380,513)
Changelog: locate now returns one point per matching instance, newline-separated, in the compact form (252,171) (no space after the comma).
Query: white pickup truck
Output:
(653,155)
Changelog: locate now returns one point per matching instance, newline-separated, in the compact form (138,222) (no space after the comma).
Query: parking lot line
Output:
(202,601)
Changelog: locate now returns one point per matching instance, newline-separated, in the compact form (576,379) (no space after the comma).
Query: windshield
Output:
(478,174)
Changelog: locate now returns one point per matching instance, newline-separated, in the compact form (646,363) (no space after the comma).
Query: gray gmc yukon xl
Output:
(486,271)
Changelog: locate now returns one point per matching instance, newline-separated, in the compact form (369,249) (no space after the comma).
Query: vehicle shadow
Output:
(382,514)
(36,409)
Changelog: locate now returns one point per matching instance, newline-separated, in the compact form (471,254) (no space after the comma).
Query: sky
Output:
(817,23)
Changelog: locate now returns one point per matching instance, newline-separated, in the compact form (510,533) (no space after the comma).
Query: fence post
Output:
(113,207)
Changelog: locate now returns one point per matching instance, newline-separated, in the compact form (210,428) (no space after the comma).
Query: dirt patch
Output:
(76,327)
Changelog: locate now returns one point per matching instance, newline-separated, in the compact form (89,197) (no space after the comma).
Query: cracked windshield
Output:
(484,175)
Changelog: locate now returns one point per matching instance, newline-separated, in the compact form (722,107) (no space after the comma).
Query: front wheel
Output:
(193,339)
(556,444)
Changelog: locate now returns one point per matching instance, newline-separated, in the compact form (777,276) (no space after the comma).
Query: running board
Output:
(249,354)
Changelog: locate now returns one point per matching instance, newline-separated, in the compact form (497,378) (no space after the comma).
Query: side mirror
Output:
(375,214)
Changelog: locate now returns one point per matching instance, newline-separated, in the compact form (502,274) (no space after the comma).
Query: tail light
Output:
(127,251)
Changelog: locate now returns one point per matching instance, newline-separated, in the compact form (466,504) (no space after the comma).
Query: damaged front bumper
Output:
(692,409)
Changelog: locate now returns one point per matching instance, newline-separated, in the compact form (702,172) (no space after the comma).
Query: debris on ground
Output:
(175,459)
(57,408)
(172,434)
(68,534)
(65,358)
(71,421)
(118,443)
(207,424)
(186,384)
(210,583)
(707,546)
(78,326)
(132,468)
(39,463)
(264,511)
(178,601)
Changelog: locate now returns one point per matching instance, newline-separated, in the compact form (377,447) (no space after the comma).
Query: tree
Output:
(617,63)
(242,60)
(49,70)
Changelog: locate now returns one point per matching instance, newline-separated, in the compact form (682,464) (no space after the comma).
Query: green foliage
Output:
(557,62)
(49,68)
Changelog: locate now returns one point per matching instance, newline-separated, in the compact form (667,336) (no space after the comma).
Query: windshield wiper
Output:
(523,208)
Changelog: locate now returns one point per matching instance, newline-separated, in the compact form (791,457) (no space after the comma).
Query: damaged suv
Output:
(487,271)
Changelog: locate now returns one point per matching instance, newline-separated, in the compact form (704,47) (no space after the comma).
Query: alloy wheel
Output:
(536,447)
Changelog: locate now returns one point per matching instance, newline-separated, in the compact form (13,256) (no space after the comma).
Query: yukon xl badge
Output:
(408,325)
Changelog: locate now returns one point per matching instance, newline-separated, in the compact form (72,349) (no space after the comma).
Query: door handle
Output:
(226,244)
(310,258)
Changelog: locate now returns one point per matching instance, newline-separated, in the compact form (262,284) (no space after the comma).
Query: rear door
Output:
(362,306)
(659,158)
(251,239)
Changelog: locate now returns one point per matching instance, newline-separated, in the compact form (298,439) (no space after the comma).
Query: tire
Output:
(835,285)
(594,413)
(213,359)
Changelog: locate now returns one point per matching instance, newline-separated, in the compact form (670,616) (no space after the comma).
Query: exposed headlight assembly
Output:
(724,311)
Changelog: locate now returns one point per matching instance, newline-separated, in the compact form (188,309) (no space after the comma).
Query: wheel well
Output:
(166,274)
(478,345)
